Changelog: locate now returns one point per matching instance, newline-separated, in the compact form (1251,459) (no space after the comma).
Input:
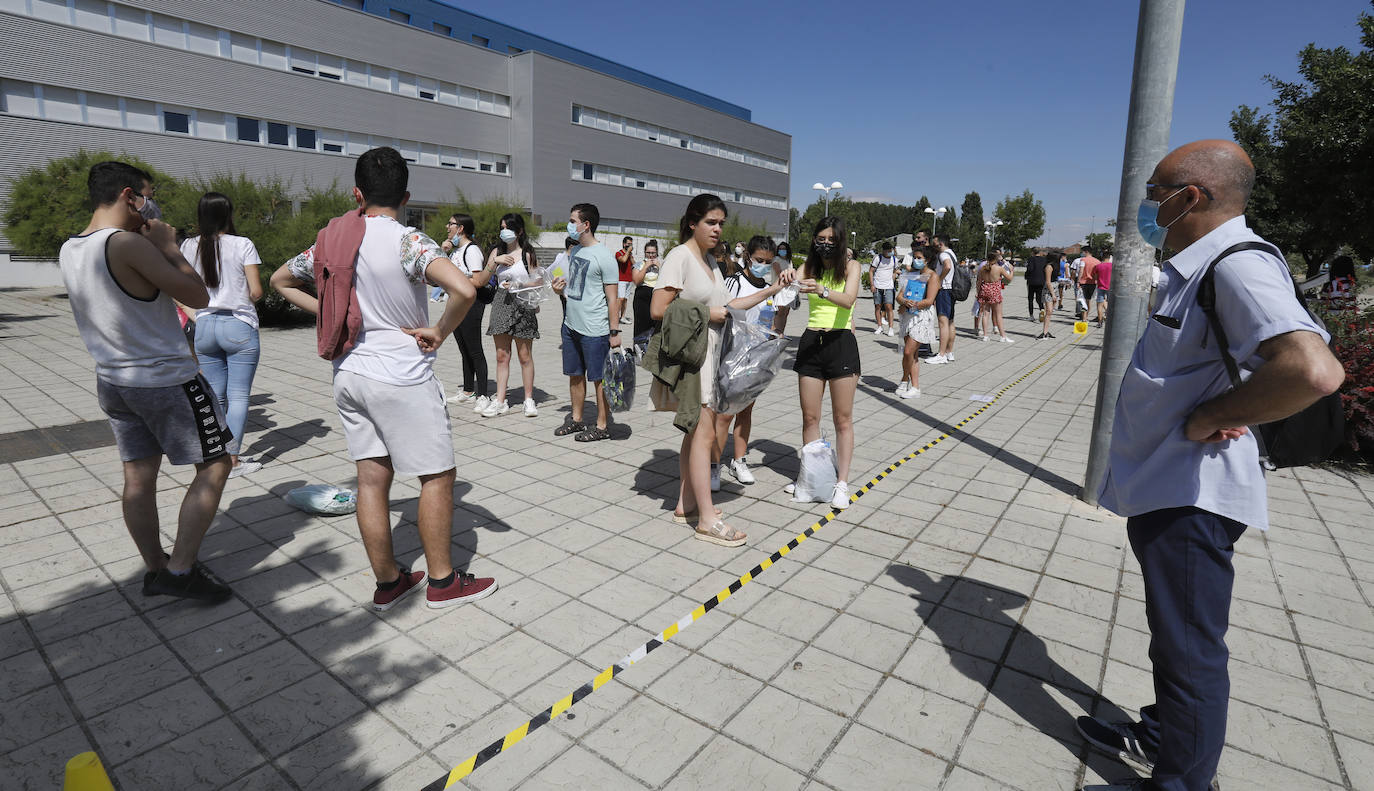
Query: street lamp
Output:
(938,213)
(991,234)
(834,185)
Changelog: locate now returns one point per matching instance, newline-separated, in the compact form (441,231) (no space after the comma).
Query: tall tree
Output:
(920,221)
(1024,219)
(1314,158)
(971,228)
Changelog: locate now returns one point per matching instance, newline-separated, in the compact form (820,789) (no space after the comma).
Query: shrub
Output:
(1352,339)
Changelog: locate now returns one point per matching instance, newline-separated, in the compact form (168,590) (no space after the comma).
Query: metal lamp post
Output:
(834,185)
(991,235)
(937,214)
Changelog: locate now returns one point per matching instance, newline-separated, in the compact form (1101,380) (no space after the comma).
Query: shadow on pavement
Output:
(1055,480)
(1030,702)
(279,441)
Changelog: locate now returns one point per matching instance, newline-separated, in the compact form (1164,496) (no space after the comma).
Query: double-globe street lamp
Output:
(991,232)
(834,185)
(935,218)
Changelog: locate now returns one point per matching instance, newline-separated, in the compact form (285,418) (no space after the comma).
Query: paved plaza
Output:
(942,633)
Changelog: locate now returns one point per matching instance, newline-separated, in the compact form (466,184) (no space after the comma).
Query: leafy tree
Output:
(971,228)
(1101,243)
(486,217)
(920,221)
(1314,158)
(1024,219)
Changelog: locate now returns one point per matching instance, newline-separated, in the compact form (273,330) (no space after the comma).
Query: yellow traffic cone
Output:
(1080,328)
(86,773)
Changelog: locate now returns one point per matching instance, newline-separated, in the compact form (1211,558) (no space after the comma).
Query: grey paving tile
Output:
(298,712)
(866,759)
(204,758)
(648,740)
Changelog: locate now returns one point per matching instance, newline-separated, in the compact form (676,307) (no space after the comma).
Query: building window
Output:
(333,148)
(305,138)
(356,5)
(485,167)
(247,130)
(513,50)
(501,167)
(399,16)
(442,29)
(176,122)
(588,172)
(577,114)
(480,41)
(278,134)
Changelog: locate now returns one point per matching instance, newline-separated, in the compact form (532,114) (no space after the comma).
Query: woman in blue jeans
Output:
(227,328)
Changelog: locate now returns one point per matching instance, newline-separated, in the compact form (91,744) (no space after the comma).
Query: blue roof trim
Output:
(502,38)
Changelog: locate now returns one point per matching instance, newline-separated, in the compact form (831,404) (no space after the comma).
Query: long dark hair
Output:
(697,208)
(214,215)
(836,266)
(516,223)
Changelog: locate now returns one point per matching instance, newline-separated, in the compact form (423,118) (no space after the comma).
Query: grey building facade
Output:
(296,89)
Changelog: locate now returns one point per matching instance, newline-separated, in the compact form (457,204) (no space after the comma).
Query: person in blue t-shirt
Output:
(591,321)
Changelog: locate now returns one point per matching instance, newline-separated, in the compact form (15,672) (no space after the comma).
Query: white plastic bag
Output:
(534,291)
(323,498)
(816,482)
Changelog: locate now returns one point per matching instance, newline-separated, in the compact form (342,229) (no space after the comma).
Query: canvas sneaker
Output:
(464,588)
(530,409)
(938,359)
(741,471)
(194,584)
(495,408)
(384,599)
(911,392)
(480,403)
(840,499)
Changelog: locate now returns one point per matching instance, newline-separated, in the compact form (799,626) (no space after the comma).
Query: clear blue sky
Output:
(903,99)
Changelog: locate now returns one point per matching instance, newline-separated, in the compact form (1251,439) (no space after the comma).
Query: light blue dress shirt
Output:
(1152,465)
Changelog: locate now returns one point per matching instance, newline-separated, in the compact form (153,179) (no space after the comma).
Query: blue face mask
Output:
(1147,222)
(507,235)
(573,233)
(918,264)
(760,270)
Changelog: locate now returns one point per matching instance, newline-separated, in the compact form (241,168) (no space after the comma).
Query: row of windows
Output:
(65,104)
(622,177)
(135,23)
(610,226)
(619,124)
(397,15)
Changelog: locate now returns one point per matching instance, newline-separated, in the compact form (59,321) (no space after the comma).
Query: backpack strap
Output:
(1207,300)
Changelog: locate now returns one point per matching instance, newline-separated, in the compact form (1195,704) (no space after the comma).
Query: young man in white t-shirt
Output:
(882,276)
(944,301)
(390,402)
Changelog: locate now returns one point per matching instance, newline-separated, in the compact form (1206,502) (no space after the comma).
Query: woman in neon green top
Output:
(828,351)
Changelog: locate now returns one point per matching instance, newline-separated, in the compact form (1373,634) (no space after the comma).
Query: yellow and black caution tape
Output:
(542,718)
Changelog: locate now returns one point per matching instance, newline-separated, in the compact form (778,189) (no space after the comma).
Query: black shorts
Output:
(827,354)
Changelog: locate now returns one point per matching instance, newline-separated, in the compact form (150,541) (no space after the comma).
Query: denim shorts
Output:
(883,296)
(585,355)
(1101,295)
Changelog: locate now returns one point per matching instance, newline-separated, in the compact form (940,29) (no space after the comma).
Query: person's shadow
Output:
(1031,702)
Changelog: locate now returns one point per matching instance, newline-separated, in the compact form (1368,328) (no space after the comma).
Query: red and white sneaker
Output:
(464,588)
(383,600)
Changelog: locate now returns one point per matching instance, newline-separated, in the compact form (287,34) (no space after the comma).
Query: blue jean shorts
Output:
(944,303)
(585,355)
(883,296)
(1101,295)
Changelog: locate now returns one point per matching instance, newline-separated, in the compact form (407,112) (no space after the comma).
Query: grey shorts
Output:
(182,422)
(884,296)
(408,423)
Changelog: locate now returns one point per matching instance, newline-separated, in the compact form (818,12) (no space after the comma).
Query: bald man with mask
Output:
(1183,467)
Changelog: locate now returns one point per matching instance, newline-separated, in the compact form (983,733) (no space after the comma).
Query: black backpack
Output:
(1305,437)
(962,283)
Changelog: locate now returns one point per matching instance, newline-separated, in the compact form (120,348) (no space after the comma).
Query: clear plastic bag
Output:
(750,357)
(323,498)
(533,291)
(618,381)
(818,476)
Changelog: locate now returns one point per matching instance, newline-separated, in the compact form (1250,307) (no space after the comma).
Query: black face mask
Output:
(824,249)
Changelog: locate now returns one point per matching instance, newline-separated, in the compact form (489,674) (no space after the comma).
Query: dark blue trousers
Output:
(1185,557)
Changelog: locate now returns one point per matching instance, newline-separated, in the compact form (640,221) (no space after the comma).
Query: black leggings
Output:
(469,338)
(643,323)
(1035,298)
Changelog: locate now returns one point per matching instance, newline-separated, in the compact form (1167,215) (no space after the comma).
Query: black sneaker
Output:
(148,576)
(1116,739)
(195,584)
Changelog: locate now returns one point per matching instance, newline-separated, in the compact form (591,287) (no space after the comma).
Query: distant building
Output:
(297,89)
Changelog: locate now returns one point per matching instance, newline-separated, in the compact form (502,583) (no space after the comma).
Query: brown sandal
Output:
(691,516)
(722,534)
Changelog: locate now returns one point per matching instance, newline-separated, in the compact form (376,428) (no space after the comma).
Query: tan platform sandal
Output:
(722,534)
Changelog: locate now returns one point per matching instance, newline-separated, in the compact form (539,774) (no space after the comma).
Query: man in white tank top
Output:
(122,273)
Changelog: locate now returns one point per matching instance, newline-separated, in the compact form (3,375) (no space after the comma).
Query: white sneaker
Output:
(878,330)
(245,467)
(530,409)
(741,472)
(890,333)
(790,488)
(938,359)
(949,358)
(479,404)
(911,392)
(461,397)
(495,408)
(900,388)
(1005,339)
(715,477)
(840,499)
(982,338)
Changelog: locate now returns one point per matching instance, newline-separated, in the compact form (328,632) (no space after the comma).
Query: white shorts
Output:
(626,287)
(408,423)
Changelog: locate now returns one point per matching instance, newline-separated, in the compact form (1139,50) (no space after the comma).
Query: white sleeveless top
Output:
(135,342)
